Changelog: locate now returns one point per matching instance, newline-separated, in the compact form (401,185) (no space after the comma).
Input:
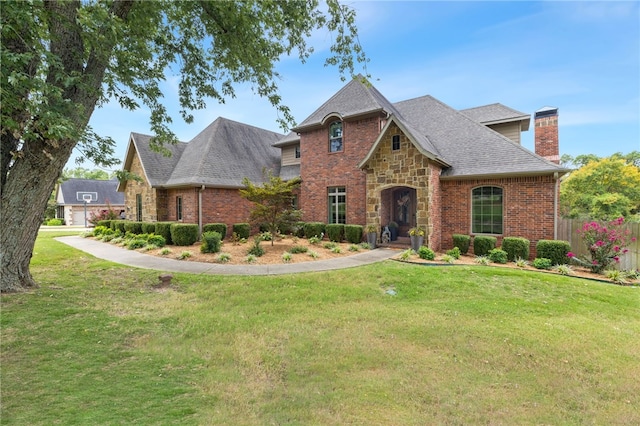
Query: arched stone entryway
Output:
(399,205)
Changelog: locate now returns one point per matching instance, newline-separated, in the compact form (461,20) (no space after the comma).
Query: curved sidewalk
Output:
(139,260)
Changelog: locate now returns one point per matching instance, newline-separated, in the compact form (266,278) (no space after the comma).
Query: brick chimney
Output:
(546,134)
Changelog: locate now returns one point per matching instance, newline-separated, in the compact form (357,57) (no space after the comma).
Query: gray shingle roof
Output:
(226,152)
(105,189)
(356,98)
(471,148)
(290,139)
(157,167)
(496,113)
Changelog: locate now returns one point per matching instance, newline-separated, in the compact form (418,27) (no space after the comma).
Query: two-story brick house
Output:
(364,160)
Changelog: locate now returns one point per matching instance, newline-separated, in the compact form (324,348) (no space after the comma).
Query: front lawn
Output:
(389,343)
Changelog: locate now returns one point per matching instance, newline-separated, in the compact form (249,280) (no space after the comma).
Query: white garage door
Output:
(78,217)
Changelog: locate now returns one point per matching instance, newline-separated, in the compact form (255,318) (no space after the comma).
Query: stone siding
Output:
(133,188)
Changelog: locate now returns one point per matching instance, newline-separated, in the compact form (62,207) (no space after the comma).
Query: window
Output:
(178,208)
(395,142)
(297,154)
(337,202)
(486,210)
(335,136)
(139,207)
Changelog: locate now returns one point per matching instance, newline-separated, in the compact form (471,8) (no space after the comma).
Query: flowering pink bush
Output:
(606,243)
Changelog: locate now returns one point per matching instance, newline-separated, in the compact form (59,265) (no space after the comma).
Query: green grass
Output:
(98,344)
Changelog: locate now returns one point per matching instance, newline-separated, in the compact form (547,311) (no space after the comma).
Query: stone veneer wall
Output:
(321,169)
(405,167)
(149,200)
(528,208)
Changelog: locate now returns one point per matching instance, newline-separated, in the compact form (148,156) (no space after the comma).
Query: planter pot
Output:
(394,233)
(372,239)
(416,242)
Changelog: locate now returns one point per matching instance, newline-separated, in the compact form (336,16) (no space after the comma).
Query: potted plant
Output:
(393,229)
(372,235)
(417,237)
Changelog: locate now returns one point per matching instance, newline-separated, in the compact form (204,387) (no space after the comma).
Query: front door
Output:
(404,211)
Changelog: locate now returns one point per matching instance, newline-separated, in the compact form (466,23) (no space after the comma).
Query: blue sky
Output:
(581,57)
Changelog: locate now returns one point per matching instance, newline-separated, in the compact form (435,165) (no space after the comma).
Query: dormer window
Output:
(335,136)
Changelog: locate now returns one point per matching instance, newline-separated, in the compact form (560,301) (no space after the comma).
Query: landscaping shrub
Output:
(554,250)
(498,255)
(462,242)
(156,240)
(353,233)
(148,227)
(454,252)
(136,243)
(515,247)
(256,249)
(118,225)
(54,222)
(220,228)
(314,229)
(106,223)
(299,229)
(99,230)
(483,244)
(211,242)
(164,229)
(542,263)
(242,230)
(426,253)
(133,227)
(335,232)
(184,234)
(298,249)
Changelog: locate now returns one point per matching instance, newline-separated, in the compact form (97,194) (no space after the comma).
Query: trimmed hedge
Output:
(497,255)
(211,242)
(148,227)
(184,234)
(242,230)
(164,229)
(118,225)
(335,232)
(314,229)
(156,240)
(462,242)
(516,247)
(554,250)
(133,227)
(483,244)
(220,228)
(353,233)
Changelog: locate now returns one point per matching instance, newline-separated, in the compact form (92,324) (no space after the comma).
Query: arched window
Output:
(335,136)
(486,210)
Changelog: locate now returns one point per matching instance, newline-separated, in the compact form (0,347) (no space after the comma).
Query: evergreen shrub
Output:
(133,227)
(462,242)
(220,228)
(483,244)
(242,230)
(516,248)
(554,250)
(353,233)
(314,229)
(335,232)
(211,242)
(164,229)
(184,234)
(148,227)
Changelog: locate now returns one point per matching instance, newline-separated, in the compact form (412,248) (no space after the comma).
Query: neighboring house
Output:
(100,195)
(364,160)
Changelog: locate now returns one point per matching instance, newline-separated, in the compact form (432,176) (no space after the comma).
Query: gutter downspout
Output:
(200,191)
(555,205)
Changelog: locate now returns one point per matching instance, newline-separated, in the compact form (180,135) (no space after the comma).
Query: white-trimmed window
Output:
(337,203)
(335,136)
(487,210)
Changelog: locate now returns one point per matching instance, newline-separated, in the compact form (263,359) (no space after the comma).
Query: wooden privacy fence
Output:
(567,231)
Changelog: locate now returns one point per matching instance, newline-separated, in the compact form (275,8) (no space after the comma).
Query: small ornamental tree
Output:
(606,243)
(272,202)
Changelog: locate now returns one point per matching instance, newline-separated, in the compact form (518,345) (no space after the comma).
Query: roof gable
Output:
(356,98)
(497,113)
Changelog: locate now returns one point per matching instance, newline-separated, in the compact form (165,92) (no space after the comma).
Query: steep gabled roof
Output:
(156,167)
(105,190)
(291,138)
(471,148)
(496,114)
(226,152)
(354,99)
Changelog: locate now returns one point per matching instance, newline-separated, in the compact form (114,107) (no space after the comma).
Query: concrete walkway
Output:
(140,260)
